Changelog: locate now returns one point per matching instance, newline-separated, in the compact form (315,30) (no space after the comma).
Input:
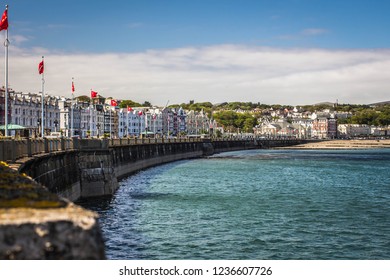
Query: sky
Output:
(292,52)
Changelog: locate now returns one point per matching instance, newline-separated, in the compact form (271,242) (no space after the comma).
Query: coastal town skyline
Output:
(146,103)
(195,139)
(284,52)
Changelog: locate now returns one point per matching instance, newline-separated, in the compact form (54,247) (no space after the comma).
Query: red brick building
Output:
(324,127)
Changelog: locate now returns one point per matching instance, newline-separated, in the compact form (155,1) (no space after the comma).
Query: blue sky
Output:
(269,51)
(135,25)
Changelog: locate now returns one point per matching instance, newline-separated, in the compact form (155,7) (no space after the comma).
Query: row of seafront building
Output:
(320,125)
(98,118)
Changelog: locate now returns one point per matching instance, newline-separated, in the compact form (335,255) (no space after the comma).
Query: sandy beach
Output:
(344,144)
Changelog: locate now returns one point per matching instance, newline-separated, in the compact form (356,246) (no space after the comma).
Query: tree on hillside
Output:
(147,104)
(130,103)
(233,121)
(249,124)
(226,118)
(365,116)
(83,98)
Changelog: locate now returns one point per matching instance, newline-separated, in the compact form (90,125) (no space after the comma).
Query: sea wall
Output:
(58,171)
(220,146)
(277,143)
(93,167)
(130,159)
(37,224)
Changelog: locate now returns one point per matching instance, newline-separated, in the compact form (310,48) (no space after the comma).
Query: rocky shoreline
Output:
(343,144)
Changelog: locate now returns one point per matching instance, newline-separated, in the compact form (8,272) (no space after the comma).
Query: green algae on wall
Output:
(37,224)
(18,190)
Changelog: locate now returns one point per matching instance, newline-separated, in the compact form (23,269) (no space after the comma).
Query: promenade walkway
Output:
(14,149)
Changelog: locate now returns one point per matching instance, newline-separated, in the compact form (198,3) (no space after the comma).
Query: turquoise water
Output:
(257,204)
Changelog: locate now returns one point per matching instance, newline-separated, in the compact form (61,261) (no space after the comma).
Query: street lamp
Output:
(38,124)
(55,125)
(98,127)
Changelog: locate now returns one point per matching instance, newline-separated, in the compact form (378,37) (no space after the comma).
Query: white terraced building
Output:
(131,122)
(26,111)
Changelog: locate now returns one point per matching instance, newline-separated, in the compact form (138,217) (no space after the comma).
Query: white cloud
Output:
(215,73)
(18,39)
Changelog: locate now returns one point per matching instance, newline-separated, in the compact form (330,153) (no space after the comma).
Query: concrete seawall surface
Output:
(37,224)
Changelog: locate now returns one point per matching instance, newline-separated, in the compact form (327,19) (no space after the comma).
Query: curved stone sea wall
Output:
(94,168)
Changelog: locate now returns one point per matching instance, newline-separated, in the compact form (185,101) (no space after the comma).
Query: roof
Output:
(12,127)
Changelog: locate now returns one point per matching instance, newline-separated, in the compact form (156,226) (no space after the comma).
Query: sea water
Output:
(254,204)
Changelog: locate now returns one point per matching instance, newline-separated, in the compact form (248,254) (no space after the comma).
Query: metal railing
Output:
(14,149)
(143,141)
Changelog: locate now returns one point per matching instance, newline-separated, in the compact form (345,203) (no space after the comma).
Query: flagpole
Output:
(43,101)
(90,121)
(127,122)
(90,117)
(71,116)
(154,124)
(168,124)
(146,124)
(6,43)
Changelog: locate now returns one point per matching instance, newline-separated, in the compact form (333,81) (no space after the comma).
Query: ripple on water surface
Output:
(262,204)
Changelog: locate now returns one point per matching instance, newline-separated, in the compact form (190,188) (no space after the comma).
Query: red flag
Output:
(40,67)
(129,109)
(72,86)
(93,94)
(113,102)
(140,113)
(4,21)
